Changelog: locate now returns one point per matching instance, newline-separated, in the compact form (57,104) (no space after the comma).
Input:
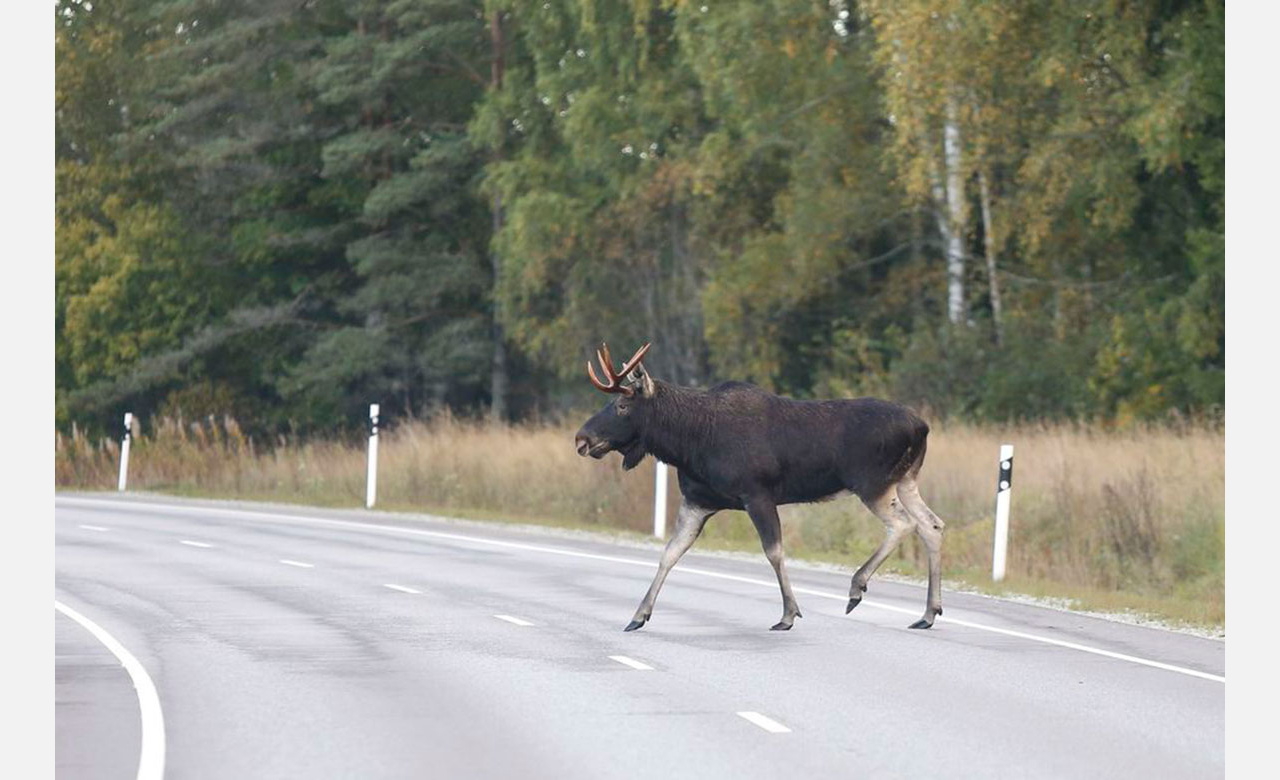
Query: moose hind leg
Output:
(929,528)
(690,521)
(764,514)
(897,524)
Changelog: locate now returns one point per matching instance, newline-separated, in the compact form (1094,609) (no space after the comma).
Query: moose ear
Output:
(643,381)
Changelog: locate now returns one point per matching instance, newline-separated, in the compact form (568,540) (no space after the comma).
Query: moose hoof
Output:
(855,596)
(633,625)
(781,626)
(926,621)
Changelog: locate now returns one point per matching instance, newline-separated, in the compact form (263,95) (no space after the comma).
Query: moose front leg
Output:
(764,514)
(690,521)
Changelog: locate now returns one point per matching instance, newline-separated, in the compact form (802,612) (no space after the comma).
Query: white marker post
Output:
(1004,484)
(660,499)
(124,451)
(371,479)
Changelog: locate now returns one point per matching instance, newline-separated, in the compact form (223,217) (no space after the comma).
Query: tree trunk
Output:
(684,278)
(988,244)
(956,310)
(499,380)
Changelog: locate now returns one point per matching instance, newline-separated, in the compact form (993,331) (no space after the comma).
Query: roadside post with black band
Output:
(371,479)
(126,436)
(1004,484)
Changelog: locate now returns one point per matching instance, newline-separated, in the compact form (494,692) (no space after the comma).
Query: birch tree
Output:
(921,48)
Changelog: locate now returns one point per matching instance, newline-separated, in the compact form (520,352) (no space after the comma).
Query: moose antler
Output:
(614,384)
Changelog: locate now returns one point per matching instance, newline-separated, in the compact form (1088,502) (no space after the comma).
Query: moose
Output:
(736,446)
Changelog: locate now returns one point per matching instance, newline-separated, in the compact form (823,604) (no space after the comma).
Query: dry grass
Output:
(1115,520)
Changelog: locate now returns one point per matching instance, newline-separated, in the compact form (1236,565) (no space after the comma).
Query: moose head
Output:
(618,426)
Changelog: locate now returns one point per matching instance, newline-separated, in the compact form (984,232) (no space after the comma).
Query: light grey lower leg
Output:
(897,523)
(929,527)
(690,521)
(790,607)
(932,538)
(764,515)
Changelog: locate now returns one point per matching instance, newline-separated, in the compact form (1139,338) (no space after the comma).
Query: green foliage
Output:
(295,210)
(959,372)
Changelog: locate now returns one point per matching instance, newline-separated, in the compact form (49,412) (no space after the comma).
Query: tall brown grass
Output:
(1115,520)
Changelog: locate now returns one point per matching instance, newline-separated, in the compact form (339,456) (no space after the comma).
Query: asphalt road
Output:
(298,642)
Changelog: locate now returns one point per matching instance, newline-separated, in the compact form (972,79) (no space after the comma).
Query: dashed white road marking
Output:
(401,588)
(151,754)
(190,543)
(515,621)
(633,663)
(768,724)
(94,528)
(547,549)
(299,564)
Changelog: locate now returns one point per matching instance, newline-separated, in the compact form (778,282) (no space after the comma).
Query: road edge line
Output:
(151,752)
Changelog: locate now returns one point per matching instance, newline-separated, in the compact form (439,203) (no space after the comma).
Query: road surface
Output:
(300,642)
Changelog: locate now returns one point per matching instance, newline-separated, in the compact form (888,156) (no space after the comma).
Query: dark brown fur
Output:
(736,446)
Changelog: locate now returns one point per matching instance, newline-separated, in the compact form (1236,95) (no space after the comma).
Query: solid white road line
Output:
(94,528)
(633,663)
(402,588)
(190,543)
(151,754)
(772,584)
(299,564)
(1093,650)
(768,724)
(513,620)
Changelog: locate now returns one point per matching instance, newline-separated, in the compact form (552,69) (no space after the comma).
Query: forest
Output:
(281,211)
